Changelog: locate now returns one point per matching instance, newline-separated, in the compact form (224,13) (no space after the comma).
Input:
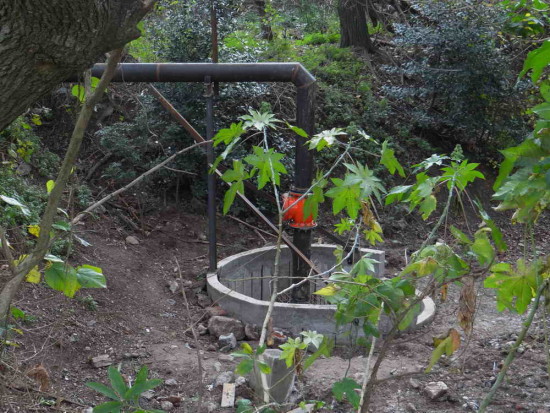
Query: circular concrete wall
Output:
(241,286)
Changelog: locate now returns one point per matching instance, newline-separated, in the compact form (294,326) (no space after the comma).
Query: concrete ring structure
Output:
(241,286)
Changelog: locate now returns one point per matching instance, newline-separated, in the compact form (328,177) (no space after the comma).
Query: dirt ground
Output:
(138,321)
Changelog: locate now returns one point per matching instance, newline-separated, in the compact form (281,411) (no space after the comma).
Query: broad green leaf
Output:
(460,236)
(137,389)
(312,337)
(365,178)
(264,368)
(15,202)
(428,206)
(346,387)
(496,233)
(117,381)
(536,61)
(343,226)
(141,377)
(397,193)
(62,225)
(103,389)
(245,367)
(79,92)
(52,258)
(412,312)
(289,350)
(244,406)
(228,135)
(108,407)
(34,230)
(325,138)
(17,313)
(90,277)
(50,185)
(345,196)
(438,352)
(247,349)
(482,248)
(298,131)
(268,165)
(328,291)
(431,161)
(389,160)
(62,277)
(33,276)
(259,120)
(324,350)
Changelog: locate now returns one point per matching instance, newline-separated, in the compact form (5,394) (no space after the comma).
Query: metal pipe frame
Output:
(292,72)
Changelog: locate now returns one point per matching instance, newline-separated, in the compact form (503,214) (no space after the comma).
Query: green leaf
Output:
(15,202)
(62,225)
(228,135)
(104,390)
(108,407)
(312,337)
(268,165)
(324,350)
(259,120)
(79,92)
(536,61)
(141,377)
(389,160)
(428,206)
(298,131)
(138,388)
(50,185)
(412,312)
(245,367)
(17,313)
(264,368)
(325,138)
(397,193)
(460,236)
(482,248)
(496,233)
(368,183)
(117,381)
(438,352)
(244,406)
(90,277)
(289,350)
(62,277)
(247,349)
(346,387)
(345,196)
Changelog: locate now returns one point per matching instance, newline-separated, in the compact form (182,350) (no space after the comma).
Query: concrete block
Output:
(280,381)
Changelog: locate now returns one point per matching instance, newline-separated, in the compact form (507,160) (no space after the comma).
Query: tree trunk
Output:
(42,42)
(267,31)
(353,25)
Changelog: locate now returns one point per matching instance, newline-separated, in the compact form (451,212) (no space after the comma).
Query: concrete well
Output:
(241,286)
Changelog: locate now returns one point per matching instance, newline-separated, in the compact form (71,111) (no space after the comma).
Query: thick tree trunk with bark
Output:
(42,42)
(353,25)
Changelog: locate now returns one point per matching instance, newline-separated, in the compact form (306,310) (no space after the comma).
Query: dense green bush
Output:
(458,82)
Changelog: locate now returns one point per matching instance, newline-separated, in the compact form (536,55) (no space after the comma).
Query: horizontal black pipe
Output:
(218,72)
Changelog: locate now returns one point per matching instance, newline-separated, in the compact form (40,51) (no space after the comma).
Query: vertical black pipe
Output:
(212,247)
(305,119)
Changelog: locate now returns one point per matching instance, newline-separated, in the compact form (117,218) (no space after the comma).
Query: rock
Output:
(103,360)
(218,366)
(87,410)
(228,395)
(225,377)
(203,300)
(171,302)
(130,239)
(226,357)
(435,390)
(415,384)
(239,381)
(507,347)
(173,286)
(202,330)
(23,169)
(219,326)
(215,310)
(148,395)
(227,342)
(411,408)
(166,405)
(171,382)
(252,332)
(175,400)
(279,338)
(210,407)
